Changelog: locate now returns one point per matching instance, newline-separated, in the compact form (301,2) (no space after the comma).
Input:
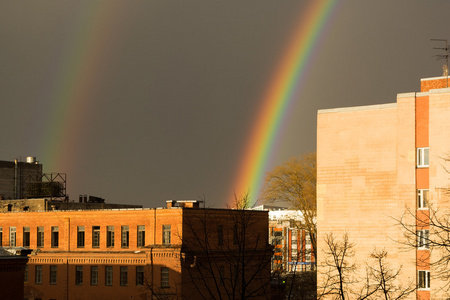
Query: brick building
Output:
(376,164)
(13,262)
(292,245)
(178,252)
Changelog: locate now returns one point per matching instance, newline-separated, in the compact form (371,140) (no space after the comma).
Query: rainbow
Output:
(73,82)
(282,91)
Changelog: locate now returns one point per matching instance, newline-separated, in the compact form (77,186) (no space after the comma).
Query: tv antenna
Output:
(444,55)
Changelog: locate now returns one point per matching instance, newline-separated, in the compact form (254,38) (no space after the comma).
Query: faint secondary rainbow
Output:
(282,91)
(73,80)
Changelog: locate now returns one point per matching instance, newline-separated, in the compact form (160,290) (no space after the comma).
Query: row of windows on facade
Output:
(423,278)
(296,253)
(110,236)
(94,275)
(125,236)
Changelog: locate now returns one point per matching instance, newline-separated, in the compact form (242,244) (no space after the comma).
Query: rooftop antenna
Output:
(444,55)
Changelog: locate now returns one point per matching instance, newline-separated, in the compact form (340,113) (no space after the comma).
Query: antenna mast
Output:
(443,56)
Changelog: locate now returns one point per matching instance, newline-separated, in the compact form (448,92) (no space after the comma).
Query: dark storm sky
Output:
(174,86)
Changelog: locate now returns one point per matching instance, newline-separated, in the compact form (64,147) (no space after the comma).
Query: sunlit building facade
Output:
(293,251)
(130,253)
(380,164)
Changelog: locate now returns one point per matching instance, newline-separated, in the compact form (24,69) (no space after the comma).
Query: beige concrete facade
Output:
(367,175)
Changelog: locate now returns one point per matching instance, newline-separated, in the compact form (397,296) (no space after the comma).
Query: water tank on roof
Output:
(31,159)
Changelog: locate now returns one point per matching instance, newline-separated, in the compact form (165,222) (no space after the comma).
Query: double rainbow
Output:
(282,92)
(73,81)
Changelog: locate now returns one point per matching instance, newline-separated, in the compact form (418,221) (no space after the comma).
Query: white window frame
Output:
(110,236)
(53,274)
(166,237)
(426,278)
(141,235)
(38,274)
(55,237)
(423,198)
(40,237)
(109,275)
(423,157)
(165,277)
(80,236)
(125,236)
(94,275)
(26,237)
(12,236)
(423,241)
(95,236)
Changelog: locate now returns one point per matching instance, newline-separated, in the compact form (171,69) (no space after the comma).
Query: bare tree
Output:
(339,280)
(227,258)
(429,230)
(338,270)
(384,280)
(294,182)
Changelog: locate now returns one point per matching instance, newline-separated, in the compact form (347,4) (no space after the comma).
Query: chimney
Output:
(171,203)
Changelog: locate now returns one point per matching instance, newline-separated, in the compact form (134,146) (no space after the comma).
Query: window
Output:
(79,275)
(424,280)
(80,236)
(94,275)
(53,270)
(1,236)
(12,236)
(38,275)
(220,235)
(422,238)
(278,233)
(308,256)
(55,236)
(125,236)
(110,236)
(26,237)
(164,277)
(108,275)
(422,158)
(95,236)
(166,234)
(422,198)
(26,274)
(141,236)
(40,237)
(123,276)
(139,275)
(307,241)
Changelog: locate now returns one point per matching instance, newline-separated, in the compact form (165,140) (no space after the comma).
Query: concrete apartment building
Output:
(374,163)
(292,245)
(178,252)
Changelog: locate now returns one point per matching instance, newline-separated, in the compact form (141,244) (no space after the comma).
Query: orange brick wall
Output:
(433,83)
(153,257)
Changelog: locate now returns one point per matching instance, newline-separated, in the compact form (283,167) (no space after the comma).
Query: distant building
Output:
(16,175)
(158,253)
(24,187)
(376,162)
(292,244)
